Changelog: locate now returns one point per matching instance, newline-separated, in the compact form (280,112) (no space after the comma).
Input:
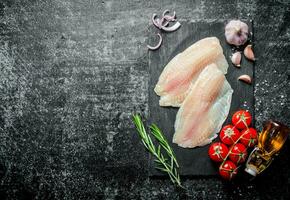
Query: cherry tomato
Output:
(242,119)
(250,137)
(218,151)
(238,153)
(229,134)
(228,170)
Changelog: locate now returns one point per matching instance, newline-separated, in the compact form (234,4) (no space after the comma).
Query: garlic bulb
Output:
(248,52)
(236,59)
(236,32)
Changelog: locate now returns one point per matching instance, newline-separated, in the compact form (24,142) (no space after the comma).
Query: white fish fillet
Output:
(204,110)
(184,68)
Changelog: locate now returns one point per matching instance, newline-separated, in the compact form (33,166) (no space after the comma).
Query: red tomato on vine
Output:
(242,119)
(238,153)
(249,137)
(228,170)
(218,151)
(229,134)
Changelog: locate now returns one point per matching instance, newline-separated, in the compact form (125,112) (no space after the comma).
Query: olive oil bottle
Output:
(271,140)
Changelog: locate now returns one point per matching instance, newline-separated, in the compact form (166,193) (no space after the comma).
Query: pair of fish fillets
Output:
(194,80)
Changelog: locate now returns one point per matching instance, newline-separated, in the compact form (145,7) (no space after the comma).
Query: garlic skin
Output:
(236,32)
(236,59)
(245,78)
(248,52)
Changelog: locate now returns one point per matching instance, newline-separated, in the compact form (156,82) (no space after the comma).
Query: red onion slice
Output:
(158,45)
(171,28)
(156,22)
(169,18)
(172,17)
(165,12)
(163,22)
(159,22)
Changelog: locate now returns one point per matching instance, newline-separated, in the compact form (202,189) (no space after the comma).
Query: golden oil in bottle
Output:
(271,139)
(257,162)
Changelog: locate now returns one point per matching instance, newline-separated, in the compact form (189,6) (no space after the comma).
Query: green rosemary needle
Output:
(166,163)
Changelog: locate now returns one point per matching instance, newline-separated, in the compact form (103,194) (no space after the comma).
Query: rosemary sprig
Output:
(170,166)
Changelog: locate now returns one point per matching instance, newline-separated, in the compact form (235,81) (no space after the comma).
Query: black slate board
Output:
(193,161)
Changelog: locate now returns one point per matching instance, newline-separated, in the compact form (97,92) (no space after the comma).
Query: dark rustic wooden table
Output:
(73,72)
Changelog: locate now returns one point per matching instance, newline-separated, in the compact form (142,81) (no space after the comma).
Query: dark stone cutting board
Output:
(193,161)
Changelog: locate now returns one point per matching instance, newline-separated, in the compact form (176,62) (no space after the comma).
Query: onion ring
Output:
(163,22)
(171,28)
(158,45)
(170,18)
(155,22)
(164,12)
(167,18)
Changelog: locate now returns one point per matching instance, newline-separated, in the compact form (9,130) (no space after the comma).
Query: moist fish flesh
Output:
(204,110)
(184,68)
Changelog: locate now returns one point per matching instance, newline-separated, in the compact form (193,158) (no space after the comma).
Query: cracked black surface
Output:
(73,72)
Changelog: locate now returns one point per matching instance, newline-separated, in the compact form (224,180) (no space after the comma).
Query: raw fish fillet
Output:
(184,68)
(204,110)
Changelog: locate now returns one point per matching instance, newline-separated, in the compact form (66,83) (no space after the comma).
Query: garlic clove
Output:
(248,52)
(245,78)
(236,59)
(236,32)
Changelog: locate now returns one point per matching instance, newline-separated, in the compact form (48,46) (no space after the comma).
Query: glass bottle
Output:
(271,140)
